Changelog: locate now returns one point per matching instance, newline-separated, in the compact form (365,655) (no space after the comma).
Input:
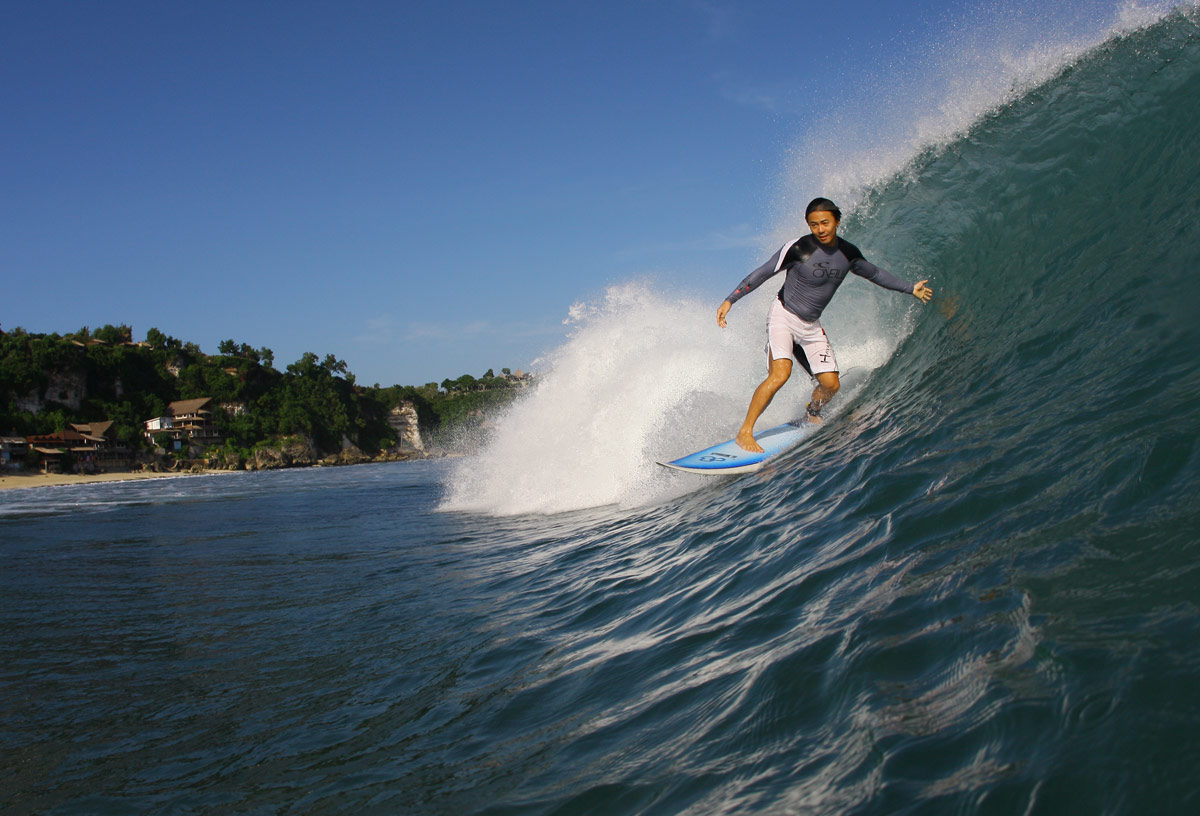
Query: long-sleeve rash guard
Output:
(814,272)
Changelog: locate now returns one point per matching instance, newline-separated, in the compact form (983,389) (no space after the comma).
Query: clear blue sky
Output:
(421,189)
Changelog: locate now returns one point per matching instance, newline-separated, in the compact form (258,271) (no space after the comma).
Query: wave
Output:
(1057,229)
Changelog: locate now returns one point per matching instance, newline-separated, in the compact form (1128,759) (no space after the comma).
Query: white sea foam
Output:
(609,402)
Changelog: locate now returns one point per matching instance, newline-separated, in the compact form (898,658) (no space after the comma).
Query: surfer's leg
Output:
(827,385)
(777,375)
(782,328)
(822,366)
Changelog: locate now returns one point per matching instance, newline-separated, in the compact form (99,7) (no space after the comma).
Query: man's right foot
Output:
(746,441)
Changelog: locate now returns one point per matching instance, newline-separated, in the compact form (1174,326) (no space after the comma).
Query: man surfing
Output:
(816,265)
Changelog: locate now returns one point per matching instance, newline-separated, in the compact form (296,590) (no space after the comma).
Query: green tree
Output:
(316,402)
(114,334)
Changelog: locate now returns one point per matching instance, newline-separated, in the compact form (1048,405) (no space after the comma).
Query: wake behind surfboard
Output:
(729,458)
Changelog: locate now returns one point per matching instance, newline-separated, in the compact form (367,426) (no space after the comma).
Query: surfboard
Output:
(728,458)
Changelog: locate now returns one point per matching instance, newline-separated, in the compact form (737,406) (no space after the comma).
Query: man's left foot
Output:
(746,441)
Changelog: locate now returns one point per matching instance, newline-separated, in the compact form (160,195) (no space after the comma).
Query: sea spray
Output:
(641,373)
(644,376)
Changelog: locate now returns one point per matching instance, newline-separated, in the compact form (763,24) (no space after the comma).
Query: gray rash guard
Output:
(814,273)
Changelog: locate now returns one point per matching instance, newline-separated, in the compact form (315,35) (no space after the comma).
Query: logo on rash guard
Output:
(821,269)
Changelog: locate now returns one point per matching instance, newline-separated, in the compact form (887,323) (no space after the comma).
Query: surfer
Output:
(815,267)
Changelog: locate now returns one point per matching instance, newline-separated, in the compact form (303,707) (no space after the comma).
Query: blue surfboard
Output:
(729,458)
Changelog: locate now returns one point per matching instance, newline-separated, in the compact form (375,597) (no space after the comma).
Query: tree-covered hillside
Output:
(49,380)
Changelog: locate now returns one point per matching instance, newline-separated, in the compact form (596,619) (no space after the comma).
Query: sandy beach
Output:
(16,481)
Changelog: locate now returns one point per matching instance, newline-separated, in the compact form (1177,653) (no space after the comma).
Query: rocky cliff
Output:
(403,420)
(66,387)
(290,452)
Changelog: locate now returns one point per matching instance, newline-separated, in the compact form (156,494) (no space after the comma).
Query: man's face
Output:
(823,226)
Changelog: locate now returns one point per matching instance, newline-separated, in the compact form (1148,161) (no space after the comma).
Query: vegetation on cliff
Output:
(49,380)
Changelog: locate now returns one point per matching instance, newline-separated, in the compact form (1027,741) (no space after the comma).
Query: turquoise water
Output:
(975,591)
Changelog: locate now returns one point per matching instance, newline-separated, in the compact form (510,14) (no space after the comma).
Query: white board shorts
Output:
(785,330)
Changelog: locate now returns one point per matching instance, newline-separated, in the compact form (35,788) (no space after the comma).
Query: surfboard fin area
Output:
(729,458)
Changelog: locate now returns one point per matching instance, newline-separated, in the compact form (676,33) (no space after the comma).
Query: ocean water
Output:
(975,590)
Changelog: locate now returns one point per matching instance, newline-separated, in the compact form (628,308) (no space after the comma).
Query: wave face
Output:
(974,590)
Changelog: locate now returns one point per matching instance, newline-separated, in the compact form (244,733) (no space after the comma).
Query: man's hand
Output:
(920,291)
(723,310)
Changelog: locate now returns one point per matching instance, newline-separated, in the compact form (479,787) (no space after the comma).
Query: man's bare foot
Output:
(746,441)
(815,419)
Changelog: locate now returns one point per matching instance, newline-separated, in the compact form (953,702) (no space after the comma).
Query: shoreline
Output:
(30,481)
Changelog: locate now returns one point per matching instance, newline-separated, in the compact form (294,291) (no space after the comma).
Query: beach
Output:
(17,480)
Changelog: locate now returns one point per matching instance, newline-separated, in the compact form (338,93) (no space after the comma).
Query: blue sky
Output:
(421,189)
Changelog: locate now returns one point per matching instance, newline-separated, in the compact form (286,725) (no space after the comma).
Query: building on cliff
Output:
(188,423)
(100,446)
(519,378)
(12,452)
(86,446)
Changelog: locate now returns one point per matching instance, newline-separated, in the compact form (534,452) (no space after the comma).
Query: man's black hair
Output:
(822,205)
